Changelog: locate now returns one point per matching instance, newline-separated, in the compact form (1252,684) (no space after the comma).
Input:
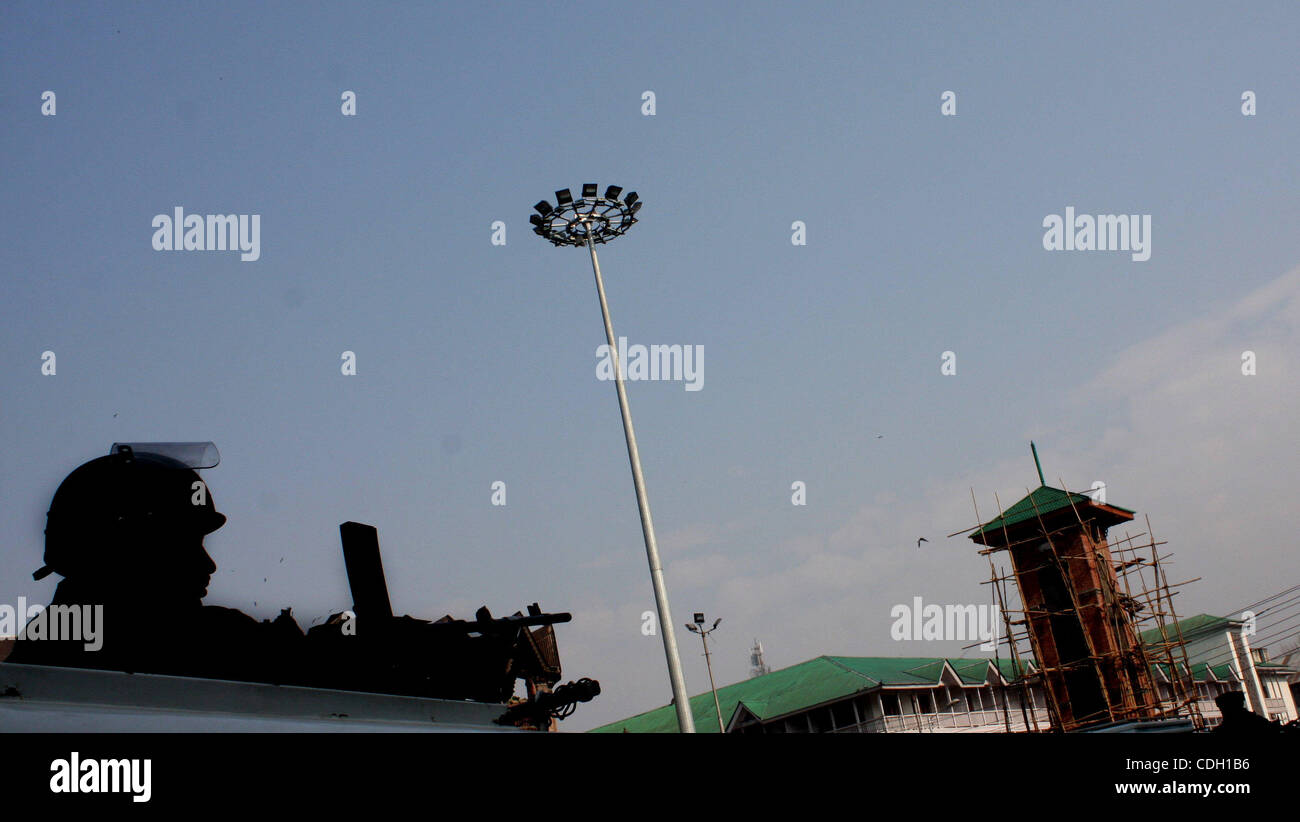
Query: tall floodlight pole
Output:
(587,222)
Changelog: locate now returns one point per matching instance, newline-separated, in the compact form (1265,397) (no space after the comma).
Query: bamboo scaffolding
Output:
(1122,597)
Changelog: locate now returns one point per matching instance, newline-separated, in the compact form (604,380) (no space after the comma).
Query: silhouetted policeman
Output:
(126,532)
(1237,721)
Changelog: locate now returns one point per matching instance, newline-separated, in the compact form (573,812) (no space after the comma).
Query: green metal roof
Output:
(1204,641)
(1041,500)
(824,679)
(1190,627)
(975,671)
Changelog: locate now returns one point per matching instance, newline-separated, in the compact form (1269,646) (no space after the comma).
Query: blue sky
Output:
(476,363)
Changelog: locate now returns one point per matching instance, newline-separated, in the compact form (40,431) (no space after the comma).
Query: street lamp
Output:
(587,222)
(698,628)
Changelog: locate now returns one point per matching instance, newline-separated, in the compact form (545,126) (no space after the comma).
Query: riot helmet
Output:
(137,494)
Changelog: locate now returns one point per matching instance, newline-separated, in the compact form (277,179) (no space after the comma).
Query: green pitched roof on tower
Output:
(1045,500)
(1042,500)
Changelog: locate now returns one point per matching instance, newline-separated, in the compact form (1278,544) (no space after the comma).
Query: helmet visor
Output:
(192,454)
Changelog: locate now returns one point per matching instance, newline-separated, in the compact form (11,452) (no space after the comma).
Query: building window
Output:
(820,719)
(866,707)
(891,705)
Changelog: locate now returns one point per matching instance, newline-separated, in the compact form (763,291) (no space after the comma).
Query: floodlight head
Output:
(715,623)
(691,627)
(630,198)
(590,220)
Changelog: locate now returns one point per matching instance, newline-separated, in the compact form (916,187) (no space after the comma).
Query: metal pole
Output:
(680,700)
(705,636)
(1037,464)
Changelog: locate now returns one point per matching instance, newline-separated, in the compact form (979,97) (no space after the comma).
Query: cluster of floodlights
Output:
(698,626)
(573,222)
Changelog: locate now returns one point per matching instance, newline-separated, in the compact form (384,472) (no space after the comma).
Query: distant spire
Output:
(757,665)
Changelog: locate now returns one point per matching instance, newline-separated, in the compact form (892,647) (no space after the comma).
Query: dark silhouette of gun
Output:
(370,591)
(365,570)
(478,659)
(557,704)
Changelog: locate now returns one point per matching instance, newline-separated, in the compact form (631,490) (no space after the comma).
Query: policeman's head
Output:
(1231,701)
(130,526)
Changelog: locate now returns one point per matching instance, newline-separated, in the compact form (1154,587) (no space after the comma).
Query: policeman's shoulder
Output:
(217,615)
